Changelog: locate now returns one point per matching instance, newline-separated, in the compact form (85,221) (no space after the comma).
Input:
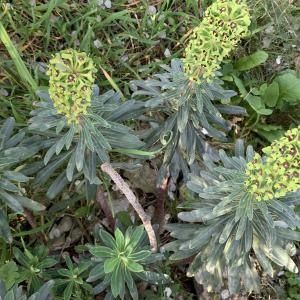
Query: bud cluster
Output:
(72,75)
(224,24)
(279,172)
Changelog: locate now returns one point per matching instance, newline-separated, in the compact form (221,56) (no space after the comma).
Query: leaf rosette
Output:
(228,226)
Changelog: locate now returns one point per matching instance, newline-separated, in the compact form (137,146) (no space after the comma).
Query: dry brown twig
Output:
(123,186)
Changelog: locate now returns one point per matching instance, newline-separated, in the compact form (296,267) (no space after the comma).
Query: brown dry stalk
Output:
(32,222)
(123,186)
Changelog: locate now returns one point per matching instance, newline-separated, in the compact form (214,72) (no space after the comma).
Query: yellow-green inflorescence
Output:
(279,173)
(224,24)
(72,75)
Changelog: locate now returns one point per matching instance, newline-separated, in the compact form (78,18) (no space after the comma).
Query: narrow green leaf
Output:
(11,201)
(101,251)
(68,291)
(134,267)
(116,281)
(120,240)
(13,52)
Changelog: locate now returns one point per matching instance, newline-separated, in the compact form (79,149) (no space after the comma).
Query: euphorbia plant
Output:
(79,127)
(120,261)
(238,215)
(189,95)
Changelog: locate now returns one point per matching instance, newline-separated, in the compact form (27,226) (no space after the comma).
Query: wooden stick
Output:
(123,186)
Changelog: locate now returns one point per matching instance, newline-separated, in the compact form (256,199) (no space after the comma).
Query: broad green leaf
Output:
(111,264)
(9,274)
(271,95)
(240,85)
(10,294)
(251,61)
(134,267)
(269,131)
(289,87)
(257,104)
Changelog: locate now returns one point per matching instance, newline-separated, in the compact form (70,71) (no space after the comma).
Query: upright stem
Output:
(123,186)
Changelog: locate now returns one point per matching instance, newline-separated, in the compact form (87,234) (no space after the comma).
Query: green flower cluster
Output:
(277,174)
(70,86)
(224,24)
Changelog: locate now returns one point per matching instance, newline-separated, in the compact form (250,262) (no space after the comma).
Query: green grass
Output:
(126,41)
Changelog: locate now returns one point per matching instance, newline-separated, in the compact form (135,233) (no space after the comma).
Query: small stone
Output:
(152,10)
(98,18)
(162,34)
(42,67)
(279,274)
(167,292)
(97,43)
(225,294)
(204,131)
(3,92)
(124,58)
(107,4)
(278,60)
(269,30)
(167,53)
(182,29)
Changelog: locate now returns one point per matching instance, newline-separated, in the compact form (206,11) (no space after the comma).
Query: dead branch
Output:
(123,186)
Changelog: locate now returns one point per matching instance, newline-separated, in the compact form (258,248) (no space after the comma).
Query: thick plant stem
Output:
(101,199)
(123,186)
